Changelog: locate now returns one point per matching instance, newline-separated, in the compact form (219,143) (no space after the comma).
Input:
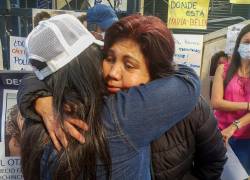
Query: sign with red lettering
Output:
(187,14)
(18,60)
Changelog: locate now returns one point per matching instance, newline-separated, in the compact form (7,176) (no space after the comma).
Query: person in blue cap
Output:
(99,19)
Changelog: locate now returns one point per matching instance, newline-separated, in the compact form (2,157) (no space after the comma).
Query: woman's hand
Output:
(228,132)
(44,107)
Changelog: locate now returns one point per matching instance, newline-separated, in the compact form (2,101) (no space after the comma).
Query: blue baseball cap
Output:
(102,15)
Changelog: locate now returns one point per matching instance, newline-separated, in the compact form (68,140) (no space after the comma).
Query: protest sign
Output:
(188,50)
(10,163)
(18,60)
(187,14)
(11,123)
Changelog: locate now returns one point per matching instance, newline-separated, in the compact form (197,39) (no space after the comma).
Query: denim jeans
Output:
(241,148)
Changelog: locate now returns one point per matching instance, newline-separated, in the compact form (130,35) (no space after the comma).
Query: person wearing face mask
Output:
(231,97)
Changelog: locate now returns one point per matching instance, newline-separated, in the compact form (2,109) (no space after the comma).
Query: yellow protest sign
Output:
(187,14)
(240,1)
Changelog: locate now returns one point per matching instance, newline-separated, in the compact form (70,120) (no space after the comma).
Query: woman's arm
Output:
(230,130)
(169,98)
(217,100)
(145,112)
(34,99)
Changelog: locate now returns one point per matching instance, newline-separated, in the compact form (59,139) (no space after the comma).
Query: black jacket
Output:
(193,149)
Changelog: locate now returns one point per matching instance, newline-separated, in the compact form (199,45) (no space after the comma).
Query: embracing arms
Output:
(168,100)
(35,108)
(146,112)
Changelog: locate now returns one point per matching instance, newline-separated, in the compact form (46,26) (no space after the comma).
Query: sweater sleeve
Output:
(210,154)
(29,90)
(146,112)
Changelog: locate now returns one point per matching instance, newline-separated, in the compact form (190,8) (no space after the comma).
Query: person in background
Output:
(43,15)
(217,59)
(13,126)
(99,19)
(125,65)
(116,146)
(231,97)
(83,19)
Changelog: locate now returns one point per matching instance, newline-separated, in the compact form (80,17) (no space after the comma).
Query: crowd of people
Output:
(107,101)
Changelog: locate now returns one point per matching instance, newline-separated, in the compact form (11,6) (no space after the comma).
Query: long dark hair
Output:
(215,60)
(79,88)
(154,38)
(236,59)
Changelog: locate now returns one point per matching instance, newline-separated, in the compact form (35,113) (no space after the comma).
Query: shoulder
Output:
(200,113)
(202,120)
(193,121)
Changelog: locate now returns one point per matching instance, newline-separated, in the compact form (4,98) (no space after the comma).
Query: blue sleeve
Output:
(144,113)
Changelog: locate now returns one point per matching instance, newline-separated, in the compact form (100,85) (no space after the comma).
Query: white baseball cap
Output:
(56,42)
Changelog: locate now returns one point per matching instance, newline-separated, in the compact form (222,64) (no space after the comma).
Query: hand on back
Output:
(44,107)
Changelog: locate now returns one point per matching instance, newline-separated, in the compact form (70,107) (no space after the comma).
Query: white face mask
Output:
(244,51)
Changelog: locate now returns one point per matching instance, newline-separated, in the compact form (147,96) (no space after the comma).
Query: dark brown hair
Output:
(152,35)
(40,16)
(215,60)
(79,86)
